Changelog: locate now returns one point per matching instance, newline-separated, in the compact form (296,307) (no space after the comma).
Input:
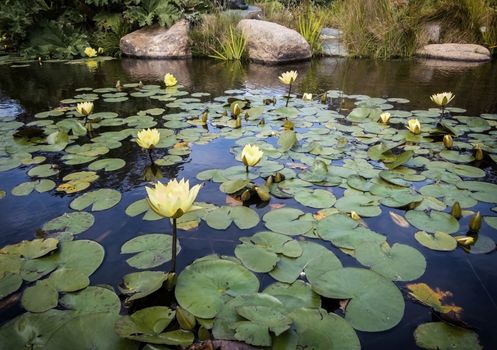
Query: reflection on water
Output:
(472,279)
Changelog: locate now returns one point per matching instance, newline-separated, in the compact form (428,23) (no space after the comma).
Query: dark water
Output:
(25,91)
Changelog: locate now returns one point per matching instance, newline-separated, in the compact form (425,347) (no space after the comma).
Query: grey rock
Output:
(271,43)
(455,52)
(158,42)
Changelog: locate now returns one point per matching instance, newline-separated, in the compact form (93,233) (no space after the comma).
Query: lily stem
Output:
(289,93)
(173,253)
(150,155)
(246,169)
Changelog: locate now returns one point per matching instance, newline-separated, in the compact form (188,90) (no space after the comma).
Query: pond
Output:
(338,160)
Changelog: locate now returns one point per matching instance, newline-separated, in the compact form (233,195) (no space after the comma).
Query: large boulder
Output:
(158,42)
(455,52)
(272,43)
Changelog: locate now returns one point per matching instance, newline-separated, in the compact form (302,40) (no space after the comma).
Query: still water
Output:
(25,91)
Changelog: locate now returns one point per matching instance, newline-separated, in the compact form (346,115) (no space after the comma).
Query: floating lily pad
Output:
(441,336)
(399,262)
(319,199)
(151,250)
(424,294)
(40,297)
(108,164)
(92,300)
(74,223)
(140,207)
(222,217)
(205,285)
(99,200)
(40,186)
(259,253)
(375,305)
(147,325)
(140,284)
(294,296)
(288,221)
(361,204)
(317,329)
(31,249)
(9,283)
(438,241)
(315,260)
(433,221)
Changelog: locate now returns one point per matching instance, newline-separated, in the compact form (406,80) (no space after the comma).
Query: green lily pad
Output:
(317,329)
(9,283)
(74,223)
(375,304)
(233,186)
(294,296)
(361,204)
(288,221)
(259,253)
(31,249)
(399,262)
(319,199)
(151,250)
(40,186)
(315,260)
(99,200)
(40,297)
(205,285)
(140,207)
(432,221)
(92,300)
(482,245)
(438,241)
(345,232)
(44,170)
(68,280)
(441,336)
(221,218)
(287,140)
(147,325)
(140,284)
(108,164)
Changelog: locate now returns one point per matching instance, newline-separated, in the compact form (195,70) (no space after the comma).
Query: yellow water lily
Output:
(170,80)
(478,151)
(448,141)
(251,155)
(148,138)
(414,126)
(236,110)
(84,108)
(100,50)
(385,117)
(173,199)
(90,52)
(475,223)
(442,99)
(307,97)
(289,77)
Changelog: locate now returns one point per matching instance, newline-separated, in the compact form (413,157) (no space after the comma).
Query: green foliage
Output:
(233,47)
(309,26)
(51,39)
(147,12)
(111,28)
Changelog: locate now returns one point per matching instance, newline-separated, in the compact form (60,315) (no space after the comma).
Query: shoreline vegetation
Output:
(381,29)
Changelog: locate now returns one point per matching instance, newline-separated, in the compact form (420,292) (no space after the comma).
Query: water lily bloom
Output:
(289,77)
(456,210)
(448,141)
(355,216)
(148,138)
(465,240)
(100,50)
(251,155)
(442,99)
(84,108)
(174,199)
(478,151)
(385,117)
(170,80)
(475,223)
(236,110)
(90,52)
(307,97)
(414,126)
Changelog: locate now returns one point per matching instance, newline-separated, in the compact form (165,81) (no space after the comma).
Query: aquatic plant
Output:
(148,139)
(173,201)
(250,156)
(232,47)
(288,78)
(170,80)
(414,126)
(442,100)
